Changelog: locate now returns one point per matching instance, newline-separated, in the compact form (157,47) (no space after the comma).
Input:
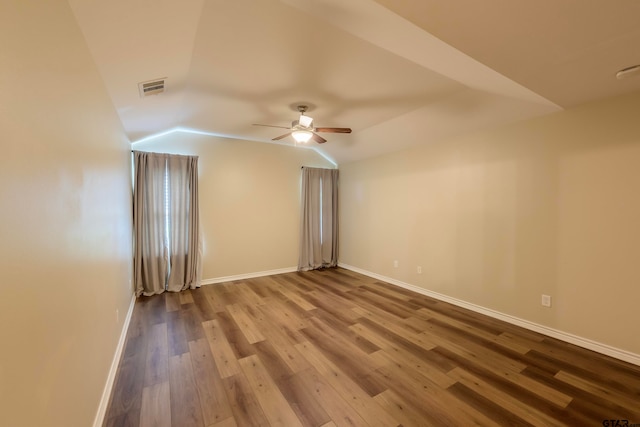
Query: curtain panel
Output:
(166,223)
(318,219)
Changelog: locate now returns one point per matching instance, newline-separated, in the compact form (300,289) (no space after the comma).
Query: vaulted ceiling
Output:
(398,72)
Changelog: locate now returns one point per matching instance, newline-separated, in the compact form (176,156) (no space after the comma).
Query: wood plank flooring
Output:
(335,348)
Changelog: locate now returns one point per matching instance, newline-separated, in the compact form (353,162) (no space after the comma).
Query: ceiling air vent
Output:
(152,87)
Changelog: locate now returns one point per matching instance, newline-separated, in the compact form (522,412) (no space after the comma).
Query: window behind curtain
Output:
(319,219)
(166,223)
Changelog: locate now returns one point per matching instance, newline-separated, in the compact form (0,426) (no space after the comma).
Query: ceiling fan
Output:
(302,130)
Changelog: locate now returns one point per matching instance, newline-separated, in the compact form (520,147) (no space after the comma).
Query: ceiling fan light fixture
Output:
(302,136)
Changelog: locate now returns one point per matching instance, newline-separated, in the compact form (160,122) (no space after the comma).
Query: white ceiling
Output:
(399,73)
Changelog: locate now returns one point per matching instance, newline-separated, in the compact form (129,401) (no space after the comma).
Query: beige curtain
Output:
(166,223)
(150,259)
(319,219)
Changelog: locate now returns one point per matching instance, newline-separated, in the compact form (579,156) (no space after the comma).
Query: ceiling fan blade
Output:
(334,130)
(272,126)
(281,136)
(317,138)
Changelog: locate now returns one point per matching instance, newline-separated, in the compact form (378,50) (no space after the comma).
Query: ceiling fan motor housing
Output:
(295,125)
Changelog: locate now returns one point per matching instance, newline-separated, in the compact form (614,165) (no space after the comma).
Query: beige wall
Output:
(65,229)
(497,218)
(249,200)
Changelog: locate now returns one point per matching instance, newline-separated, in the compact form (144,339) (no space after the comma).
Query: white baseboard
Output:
(617,353)
(248,275)
(106,393)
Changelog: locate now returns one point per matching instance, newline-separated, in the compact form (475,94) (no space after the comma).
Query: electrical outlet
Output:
(117,315)
(419,270)
(395,263)
(546,300)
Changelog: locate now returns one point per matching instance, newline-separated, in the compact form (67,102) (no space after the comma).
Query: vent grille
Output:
(151,87)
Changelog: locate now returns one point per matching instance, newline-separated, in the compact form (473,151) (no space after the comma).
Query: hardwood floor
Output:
(335,348)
